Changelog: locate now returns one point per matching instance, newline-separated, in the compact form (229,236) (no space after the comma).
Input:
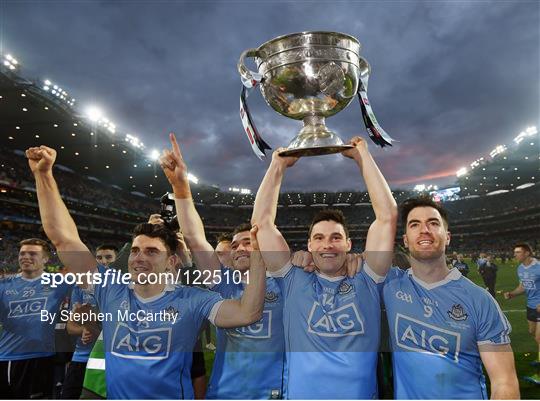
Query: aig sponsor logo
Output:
(403,296)
(260,329)
(152,344)
(528,284)
(27,307)
(340,322)
(415,335)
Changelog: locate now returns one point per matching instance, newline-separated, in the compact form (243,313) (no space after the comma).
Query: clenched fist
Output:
(41,159)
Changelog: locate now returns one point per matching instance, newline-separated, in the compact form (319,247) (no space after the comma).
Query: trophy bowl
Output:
(308,76)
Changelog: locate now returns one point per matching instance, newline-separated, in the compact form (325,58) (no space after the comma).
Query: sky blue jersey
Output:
(147,358)
(332,330)
(250,361)
(82,351)
(529,277)
(435,331)
(22,302)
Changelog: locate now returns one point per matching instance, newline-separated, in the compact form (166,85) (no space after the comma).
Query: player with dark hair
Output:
(27,343)
(441,321)
(529,284)
(106,254)
(223,249)
(159,341)
(332,321)
(249,361)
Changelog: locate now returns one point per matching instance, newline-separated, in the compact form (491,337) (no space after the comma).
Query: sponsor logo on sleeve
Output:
(414,335)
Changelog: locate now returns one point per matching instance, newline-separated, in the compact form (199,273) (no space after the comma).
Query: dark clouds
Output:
(450,81)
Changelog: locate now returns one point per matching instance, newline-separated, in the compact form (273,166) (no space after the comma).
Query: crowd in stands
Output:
(104,213)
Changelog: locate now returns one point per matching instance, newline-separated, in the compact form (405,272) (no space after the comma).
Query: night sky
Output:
(450,80)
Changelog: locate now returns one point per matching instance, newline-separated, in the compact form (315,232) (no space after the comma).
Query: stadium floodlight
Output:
(94,114)
(154,155)
(420,188)
(47,82)
(10,62)
(461,172)
(498,150)
(192,178)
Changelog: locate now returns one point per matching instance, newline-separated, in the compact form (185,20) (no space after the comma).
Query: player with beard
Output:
(249,361)
(441,321)
(332,321)
(27,343)
(143,348)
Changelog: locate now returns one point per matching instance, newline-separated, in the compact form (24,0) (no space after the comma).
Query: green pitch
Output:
(525,348)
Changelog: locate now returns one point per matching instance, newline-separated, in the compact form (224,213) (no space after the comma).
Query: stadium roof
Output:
(508,167)
(90,145)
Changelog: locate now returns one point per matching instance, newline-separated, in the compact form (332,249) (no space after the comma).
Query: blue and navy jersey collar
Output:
(453,274)
(168,287)
(30,280)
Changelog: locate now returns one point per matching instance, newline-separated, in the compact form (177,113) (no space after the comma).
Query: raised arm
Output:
(499,363)
(57,222)
(249,308)
(382,232)
(175,170)
(275,251)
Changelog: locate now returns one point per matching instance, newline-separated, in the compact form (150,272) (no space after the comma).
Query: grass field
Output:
(525,348)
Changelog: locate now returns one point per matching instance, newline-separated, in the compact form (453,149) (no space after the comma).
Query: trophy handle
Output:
(245,73)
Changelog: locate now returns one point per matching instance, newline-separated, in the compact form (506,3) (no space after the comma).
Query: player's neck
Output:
(529,261)
(430,271)
(148,290)
(338,273)
(31,275)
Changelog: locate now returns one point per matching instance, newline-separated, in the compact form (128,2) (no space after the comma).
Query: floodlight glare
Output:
(462,171)
(154,155)
(47,82)
(93,113)
(192,178)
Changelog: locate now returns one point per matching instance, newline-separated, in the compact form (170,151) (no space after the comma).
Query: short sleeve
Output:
(285,277)
(102,285)
(492,326)
(206,303)
(370,274)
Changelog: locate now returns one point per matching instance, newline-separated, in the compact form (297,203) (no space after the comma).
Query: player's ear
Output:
(172,261)
(448,238)
(405,242)
(349,244)
(309,245)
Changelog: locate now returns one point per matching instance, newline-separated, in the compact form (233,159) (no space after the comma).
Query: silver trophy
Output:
(308,76)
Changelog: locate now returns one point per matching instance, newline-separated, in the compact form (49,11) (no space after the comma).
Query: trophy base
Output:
(315,139)
(314,151)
